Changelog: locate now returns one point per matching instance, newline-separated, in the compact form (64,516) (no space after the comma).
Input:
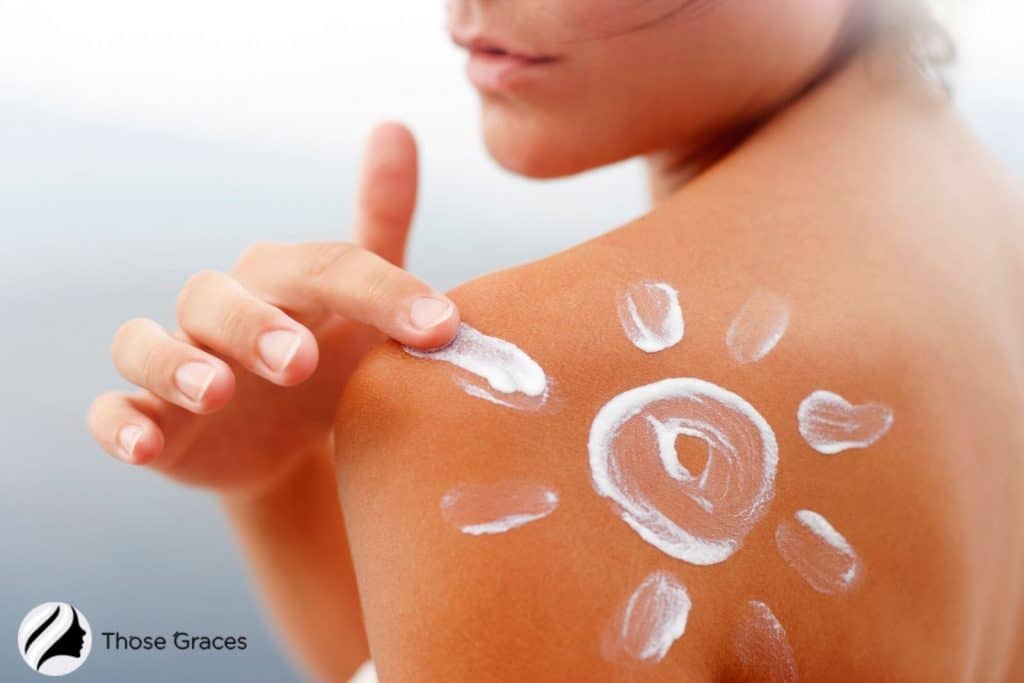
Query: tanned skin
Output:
(901,291)
(786,151)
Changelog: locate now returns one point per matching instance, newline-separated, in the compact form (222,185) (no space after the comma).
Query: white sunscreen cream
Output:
(757,327)
(651,316)
(818,553)
(650,621)
(762,645)
(698,517)
(479,509)
(497,371)
(831,424)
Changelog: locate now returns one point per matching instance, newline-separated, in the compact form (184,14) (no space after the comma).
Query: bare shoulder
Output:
(814,494)
(775,429)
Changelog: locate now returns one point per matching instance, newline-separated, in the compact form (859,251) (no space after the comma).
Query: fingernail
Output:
(277,348)
(127,437)
(428,311)
(193,379)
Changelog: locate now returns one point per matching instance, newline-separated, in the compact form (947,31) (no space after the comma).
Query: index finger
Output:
(352,282)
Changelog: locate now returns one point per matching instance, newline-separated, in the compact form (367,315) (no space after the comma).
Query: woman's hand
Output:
(250,381)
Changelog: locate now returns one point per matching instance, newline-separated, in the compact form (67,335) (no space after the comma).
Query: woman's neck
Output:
(869,86)
(670,169)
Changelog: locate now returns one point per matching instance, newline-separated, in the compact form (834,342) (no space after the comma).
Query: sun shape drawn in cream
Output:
(702,517)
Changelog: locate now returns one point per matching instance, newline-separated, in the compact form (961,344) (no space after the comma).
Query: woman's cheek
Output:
(590,19)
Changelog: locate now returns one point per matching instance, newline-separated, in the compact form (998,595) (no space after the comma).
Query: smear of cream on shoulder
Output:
(650,621)
(478,509)
(367,673)
(762,645)
(651,316)
(498,371)
(698,517)
(757,328)
(831,424)
(818,553)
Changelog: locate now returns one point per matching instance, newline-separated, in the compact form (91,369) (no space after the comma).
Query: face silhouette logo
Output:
(54,639)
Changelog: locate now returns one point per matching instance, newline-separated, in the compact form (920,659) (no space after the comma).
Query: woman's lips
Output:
(492,68)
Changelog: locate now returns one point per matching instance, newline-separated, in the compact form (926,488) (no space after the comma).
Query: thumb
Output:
(387,192)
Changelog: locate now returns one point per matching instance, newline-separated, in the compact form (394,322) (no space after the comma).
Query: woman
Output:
(832,263)
(58,635)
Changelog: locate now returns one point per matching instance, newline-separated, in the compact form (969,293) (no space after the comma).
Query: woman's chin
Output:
(535,157)
(530,146)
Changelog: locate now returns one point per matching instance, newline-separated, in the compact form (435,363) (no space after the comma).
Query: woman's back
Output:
(871,233)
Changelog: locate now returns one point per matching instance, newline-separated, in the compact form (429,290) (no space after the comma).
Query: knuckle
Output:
(192,292)
(151,368)
(256,253)
(331,259)
(387,213)
(377,288)
(236,323)
(125,335)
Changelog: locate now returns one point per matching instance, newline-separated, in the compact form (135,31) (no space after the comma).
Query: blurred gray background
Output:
(141,142)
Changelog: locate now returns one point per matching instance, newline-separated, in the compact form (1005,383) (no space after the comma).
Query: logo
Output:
(54,639)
